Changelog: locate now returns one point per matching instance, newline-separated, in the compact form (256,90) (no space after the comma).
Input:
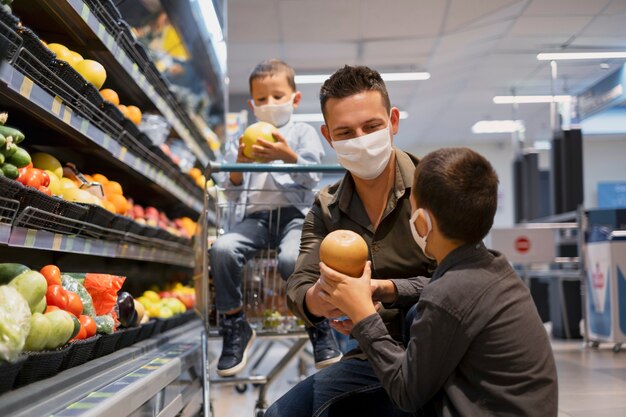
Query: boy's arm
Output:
(308,149)
(406,292)
(413,376)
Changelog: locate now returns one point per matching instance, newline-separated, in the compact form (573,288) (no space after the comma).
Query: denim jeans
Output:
(321,394)
(260,230)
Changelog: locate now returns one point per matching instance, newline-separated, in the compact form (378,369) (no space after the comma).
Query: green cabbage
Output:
(14,323)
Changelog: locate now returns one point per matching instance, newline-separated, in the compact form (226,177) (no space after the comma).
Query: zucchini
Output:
(20,158)
(3,141)
(10,271)
(76,326)
(7,131)
(2,158)
(10,171)
(9,149)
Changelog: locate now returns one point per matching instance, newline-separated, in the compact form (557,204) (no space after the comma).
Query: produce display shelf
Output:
(82,11)
(157,374)
(53,108)
(166,252)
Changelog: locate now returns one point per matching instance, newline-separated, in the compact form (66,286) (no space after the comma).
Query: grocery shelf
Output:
(157,375)
(35,98)
(84,26)
(165,252)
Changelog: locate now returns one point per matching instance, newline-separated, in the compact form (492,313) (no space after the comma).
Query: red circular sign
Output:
(522,244)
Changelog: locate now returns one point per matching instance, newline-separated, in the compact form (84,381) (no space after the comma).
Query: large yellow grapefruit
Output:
(344,251)
(255,131)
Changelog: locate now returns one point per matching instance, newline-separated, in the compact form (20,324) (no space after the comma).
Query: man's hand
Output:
(317,306)
(237,177)
(274,151)
(353,296)
(345,326)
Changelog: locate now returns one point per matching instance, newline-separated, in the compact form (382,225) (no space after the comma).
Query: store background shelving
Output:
(77,131)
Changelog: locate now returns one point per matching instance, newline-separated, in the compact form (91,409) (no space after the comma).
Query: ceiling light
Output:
(530,99)
(580,55)
(319,117)
(391,76)
(498,126)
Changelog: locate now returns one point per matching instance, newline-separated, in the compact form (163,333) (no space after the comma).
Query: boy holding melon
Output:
(475,344)
(273,99)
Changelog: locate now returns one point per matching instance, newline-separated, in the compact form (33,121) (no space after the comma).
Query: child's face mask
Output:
(275,114)
(365,156)
(421,241)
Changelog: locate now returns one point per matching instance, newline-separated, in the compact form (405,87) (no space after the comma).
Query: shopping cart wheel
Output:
(259,412)
(617,347)
(241,388)
(595,344)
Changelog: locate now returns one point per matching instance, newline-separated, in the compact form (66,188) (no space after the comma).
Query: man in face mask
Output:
(372,199)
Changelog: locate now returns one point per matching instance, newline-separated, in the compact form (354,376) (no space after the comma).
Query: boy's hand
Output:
(237,177)
(345,326)
(353,296)
(267,151)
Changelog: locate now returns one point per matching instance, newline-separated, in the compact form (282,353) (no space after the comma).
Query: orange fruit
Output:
(195,173)
(112,188)
(134,114)
(110,96)
(124,110)
(100,179)
(120,203)
(108,205)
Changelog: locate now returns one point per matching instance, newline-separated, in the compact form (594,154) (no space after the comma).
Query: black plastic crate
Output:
(113,112)
(121,223)
(73,79)
(135,228)
(9,37)
(51,213)
(81,351)
(92,95)
(8,18)
(128,337)
(163,234)
(105,345)
(98,215)
(149,231)
(8,373)
(41,365)
(145,331)
(34,45)
(9,188)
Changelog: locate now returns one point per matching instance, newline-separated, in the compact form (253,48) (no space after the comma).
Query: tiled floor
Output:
(592,382)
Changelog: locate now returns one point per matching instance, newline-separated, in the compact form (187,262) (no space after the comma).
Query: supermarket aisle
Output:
(592,382)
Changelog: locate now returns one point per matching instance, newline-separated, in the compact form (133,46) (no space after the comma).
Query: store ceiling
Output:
(474,49)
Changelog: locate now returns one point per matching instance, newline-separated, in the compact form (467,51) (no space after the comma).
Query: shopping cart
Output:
(263,288)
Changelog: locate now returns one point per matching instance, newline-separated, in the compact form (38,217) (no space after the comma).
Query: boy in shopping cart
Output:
(275,205)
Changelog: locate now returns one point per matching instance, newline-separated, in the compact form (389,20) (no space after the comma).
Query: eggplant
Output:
(126,313)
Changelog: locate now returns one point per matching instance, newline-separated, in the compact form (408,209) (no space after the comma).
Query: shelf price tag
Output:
(84,126)
(67,115)
(110,41)
(84,13)
(120,54)
(101,30)
(27,87)
(56,241)
(56,105)
(31,237)
(122,153)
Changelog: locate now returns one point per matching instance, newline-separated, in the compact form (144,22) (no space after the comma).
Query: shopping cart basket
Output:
(263,288)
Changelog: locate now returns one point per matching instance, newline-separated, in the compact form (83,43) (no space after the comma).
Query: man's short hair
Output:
(348,81)
(460,188)
(272,67)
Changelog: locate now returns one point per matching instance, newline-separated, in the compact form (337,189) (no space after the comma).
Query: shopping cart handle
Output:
(256,167)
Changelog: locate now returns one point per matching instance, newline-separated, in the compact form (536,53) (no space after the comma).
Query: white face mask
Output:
(365,156)
(276,114)
(421,241)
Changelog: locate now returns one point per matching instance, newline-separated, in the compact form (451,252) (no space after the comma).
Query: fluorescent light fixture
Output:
(214,29)
(498,126)
(390,76)
(318,117)
(530,99)
(545,56)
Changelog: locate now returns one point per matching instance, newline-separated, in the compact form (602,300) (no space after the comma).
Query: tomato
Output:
(45,178)
(33,178)
(23,174)
(56,296)
(52,273)
(51,308)
(74,304)
(89,324)
(44,190)
(82,333)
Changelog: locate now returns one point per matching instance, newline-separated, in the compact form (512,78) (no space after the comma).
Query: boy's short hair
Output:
(349,81)
(460,188)
(272,67)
